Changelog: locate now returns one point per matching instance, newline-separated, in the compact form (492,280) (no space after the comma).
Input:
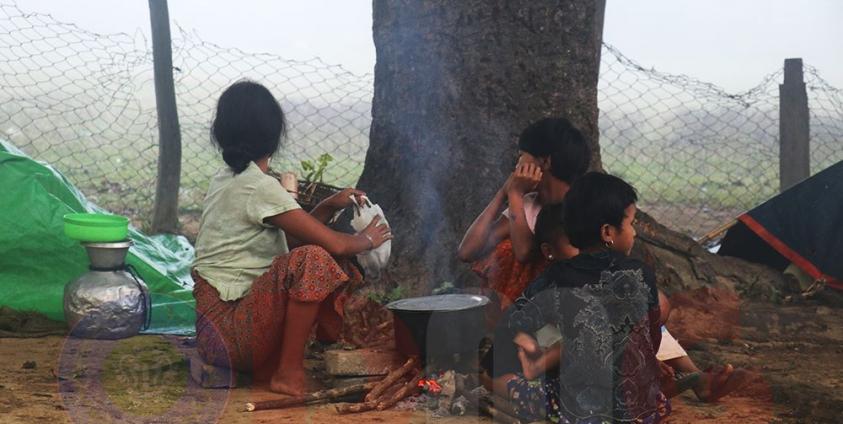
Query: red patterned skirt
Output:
(245,334)
(505,275)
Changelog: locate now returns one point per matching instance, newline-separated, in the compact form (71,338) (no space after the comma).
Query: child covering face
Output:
(500,242)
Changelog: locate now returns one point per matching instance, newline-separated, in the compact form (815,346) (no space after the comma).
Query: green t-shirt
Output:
(234,245)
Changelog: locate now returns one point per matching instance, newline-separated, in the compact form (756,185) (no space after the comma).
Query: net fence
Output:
(84,102)
(699,155)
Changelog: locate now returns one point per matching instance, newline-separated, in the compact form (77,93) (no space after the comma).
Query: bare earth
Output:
(798,351)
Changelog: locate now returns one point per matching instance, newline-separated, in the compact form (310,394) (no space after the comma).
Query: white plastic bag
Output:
(372,261)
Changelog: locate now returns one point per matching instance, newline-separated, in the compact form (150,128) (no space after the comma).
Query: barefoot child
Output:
(256,300)
(554,245)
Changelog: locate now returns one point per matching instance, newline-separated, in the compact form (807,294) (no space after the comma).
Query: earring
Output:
(550,257)
(609,243)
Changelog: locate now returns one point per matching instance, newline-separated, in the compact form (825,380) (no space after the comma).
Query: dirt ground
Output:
(796,349)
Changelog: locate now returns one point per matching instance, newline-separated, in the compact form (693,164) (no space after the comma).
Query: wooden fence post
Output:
(165,214)
(794,127)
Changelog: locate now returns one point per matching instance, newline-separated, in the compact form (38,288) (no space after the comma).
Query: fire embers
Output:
(430,386)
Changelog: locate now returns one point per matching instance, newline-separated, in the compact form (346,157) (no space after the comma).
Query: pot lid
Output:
(439,303)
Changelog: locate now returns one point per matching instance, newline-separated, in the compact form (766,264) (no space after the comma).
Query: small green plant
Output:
(314,171)
(384,297)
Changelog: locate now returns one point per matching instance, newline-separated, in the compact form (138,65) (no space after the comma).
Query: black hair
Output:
(550,224)
(248,124)
(595,199)
(560,140)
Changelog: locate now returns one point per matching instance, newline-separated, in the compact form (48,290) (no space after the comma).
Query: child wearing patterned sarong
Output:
(256,300)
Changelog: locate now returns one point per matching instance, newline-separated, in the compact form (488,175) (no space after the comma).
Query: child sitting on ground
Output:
(256,299)
(553,244)
(606,308)
(552,155)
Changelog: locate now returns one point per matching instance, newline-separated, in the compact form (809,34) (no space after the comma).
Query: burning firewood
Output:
(386,393)
(310,398)
(391,379)
(410,388)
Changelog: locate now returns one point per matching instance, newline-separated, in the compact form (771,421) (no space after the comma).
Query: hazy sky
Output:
(732,43)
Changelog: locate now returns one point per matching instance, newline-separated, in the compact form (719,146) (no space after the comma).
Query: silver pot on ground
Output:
(109,301)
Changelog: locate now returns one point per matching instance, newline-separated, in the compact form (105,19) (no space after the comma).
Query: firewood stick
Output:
(355,340)
(324,395)
(351,408)
(390,392)
(410,388)
(375,320)
(391,378)
(383,326)
(379,329)
(364,318)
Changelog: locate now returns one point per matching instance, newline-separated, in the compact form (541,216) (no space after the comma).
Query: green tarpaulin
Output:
(37,259)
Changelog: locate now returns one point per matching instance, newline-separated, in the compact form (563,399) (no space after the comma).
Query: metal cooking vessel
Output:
(107,255)
(109,301)
(438,327)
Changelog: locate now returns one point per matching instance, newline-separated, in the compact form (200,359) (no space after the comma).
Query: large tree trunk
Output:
(455,83)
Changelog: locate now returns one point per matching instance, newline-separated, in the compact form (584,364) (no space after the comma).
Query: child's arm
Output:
(325,210)
(525,178)
(303,227)
(519,230)
(534,360)
(485,232)
(533,367)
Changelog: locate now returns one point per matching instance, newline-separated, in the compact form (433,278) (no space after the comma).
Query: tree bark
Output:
(165,215)
(455,83)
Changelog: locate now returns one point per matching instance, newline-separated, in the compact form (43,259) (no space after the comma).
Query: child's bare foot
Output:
(710,380)
(289,383)
(714,384)
(294,383)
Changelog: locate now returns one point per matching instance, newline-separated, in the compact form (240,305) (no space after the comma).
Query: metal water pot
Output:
(110,301)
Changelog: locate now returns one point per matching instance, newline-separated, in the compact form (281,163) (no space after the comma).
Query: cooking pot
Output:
(438,327)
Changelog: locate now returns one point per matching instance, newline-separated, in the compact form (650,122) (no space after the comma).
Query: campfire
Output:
(407,387)
(417,370)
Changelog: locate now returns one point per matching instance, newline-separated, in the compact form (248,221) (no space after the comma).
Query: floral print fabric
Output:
(245,334)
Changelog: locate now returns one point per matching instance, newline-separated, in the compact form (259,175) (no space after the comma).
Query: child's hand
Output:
(666,370)
(343,199)
(290,183)
(528,343)
(376,233)
(526,177)
(530,355)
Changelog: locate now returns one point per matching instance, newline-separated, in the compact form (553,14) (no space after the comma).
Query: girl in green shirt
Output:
(256,300)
